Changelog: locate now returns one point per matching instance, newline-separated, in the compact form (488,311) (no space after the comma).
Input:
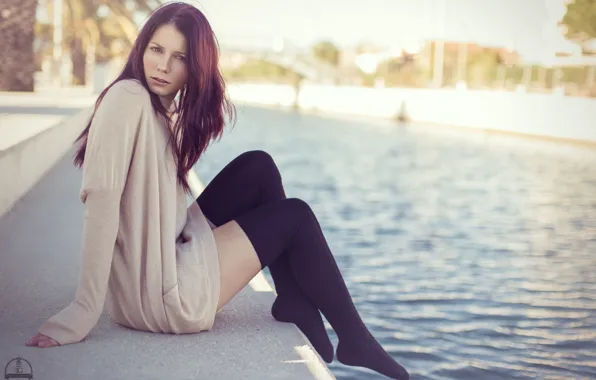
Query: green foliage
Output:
(577,75)
(326,51)
(484,69)
(400,72)
(580,20)
(482,66)
(255,69)
(81,21)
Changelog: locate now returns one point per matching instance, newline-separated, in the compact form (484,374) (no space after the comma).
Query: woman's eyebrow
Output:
(155,43)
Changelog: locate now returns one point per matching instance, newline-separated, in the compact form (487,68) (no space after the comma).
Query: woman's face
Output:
(165,59)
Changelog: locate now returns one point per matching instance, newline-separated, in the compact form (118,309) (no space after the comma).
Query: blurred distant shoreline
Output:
(545,115)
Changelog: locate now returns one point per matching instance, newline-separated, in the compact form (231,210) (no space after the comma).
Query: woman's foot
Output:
(304,314)
(367,352)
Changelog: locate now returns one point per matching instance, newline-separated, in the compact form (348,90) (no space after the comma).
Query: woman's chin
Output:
(159,91)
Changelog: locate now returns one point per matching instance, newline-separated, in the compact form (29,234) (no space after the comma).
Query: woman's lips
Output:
(159,81)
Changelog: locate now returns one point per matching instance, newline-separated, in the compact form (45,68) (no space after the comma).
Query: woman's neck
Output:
(167,101)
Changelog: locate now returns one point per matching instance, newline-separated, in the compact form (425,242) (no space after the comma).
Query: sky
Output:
(526,25)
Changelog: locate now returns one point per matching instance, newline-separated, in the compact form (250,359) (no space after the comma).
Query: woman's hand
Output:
(42,341)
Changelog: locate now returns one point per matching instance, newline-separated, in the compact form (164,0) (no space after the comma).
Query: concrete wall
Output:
(550,115)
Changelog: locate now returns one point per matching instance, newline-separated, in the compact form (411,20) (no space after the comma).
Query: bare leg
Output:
(238,260)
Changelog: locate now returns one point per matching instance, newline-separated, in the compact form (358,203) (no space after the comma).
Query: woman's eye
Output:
(154,48)
(182,58)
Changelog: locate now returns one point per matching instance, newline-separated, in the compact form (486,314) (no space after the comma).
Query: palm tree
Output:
(17,61)
(84,28)
(97,26)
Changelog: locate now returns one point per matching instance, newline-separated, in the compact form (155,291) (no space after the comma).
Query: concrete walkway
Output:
(40,240)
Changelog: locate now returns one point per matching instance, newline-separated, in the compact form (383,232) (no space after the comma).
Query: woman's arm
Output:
(111,140)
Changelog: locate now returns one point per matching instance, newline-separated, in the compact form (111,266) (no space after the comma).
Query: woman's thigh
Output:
(238,260)
(256,239)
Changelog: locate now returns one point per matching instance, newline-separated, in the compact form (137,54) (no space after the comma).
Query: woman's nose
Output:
(164,66)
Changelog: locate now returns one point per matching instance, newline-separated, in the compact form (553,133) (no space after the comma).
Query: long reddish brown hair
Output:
(202,102)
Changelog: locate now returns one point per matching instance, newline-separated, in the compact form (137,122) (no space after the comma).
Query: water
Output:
(469,255)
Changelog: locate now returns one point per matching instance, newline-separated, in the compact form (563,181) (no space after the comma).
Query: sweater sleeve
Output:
(110,145)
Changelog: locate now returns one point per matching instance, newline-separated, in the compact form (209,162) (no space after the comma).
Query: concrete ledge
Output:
(69,97)
(16,128)
(25,158)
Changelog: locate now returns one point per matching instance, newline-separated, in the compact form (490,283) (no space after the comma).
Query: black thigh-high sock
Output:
(250,180)
(288,227)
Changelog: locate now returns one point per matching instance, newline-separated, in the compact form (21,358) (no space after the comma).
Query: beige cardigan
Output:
(155,259)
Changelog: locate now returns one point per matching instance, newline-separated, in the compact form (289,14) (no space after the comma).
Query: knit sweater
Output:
(154,260)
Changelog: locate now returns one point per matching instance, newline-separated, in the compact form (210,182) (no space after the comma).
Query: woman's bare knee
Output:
(238,260)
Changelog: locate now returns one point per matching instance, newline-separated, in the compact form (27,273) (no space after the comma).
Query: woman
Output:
(166,268)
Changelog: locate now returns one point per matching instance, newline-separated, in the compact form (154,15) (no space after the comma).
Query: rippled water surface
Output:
(469,255)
